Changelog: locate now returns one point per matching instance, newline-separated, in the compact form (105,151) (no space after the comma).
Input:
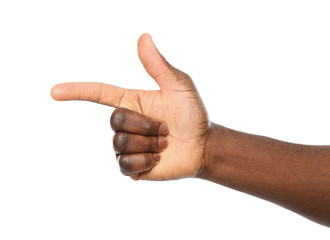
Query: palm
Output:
(177,103)
(186,117)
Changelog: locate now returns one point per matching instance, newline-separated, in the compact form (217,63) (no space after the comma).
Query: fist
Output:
(138,141)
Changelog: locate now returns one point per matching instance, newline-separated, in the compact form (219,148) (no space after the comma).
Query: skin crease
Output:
(166,134)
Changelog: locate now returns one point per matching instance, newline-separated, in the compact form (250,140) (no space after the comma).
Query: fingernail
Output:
(163,129)
(156,157)
(162,143)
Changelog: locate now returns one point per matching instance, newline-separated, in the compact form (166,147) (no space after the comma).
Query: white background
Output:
(260,66)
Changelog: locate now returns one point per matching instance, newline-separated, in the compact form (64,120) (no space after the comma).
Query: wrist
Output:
(213,151)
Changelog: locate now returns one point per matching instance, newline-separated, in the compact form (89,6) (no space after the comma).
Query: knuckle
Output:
(153,144)
(148,126)
(180,75)
(118,118)
(126,164)
(148,162)
(120,142)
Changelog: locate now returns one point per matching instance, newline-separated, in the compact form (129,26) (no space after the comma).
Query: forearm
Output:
(294,176)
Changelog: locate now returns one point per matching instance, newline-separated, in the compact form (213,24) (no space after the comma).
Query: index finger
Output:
(88,91)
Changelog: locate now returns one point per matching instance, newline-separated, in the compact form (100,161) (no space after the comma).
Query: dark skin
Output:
(166,134)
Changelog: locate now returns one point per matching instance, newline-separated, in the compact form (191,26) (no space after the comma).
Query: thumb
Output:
(166,76)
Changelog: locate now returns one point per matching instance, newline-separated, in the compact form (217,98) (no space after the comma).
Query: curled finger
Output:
(124,142)
(132,164)
(125,120)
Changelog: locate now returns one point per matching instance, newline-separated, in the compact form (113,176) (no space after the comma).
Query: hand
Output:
(177,107)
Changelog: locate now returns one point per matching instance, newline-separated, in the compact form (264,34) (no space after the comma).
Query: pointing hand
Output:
(160,134)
